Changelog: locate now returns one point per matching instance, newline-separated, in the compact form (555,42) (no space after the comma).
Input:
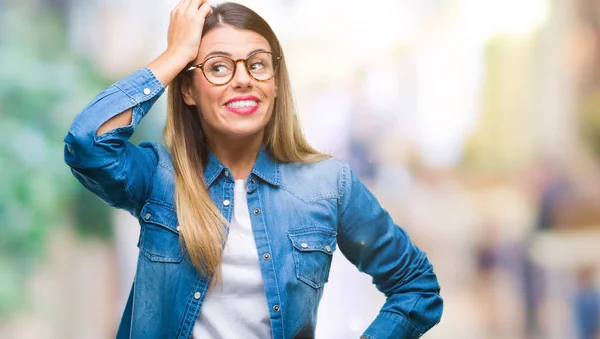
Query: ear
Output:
(186,91)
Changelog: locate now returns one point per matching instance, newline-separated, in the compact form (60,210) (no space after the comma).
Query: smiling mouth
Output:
(242,104)
(242,107)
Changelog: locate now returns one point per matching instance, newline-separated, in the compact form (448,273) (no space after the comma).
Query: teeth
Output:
(242,104)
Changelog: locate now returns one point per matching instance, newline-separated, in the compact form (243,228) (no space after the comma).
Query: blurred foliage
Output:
(43,86)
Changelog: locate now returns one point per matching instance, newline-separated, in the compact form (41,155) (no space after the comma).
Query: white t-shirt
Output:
(237,308)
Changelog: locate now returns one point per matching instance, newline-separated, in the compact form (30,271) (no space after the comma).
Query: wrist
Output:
(168,65)
(179,56)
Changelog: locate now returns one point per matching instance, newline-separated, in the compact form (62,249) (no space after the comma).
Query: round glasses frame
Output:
(200,66)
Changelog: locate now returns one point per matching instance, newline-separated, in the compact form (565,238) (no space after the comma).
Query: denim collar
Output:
(265,167)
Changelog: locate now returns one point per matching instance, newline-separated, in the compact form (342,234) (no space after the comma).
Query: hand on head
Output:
(185,27)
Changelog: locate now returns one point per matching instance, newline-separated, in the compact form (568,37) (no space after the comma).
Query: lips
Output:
(243,105)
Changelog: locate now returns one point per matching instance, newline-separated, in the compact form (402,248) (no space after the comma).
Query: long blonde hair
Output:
(202,225)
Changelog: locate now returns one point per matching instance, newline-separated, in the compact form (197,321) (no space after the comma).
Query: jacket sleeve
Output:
(117,171)
(369,239)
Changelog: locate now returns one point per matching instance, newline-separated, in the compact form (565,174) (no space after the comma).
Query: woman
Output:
(240,217)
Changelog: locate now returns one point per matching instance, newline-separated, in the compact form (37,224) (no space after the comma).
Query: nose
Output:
(241,77)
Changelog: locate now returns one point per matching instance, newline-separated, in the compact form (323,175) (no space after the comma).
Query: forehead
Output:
(235,41)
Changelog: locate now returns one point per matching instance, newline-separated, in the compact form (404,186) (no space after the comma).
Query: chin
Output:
(243,132)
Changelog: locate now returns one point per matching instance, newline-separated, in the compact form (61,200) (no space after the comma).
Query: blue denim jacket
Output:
(300,215)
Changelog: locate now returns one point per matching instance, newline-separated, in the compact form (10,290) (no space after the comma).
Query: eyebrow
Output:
(221,53)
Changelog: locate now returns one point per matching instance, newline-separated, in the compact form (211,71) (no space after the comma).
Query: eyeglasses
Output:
(219,70)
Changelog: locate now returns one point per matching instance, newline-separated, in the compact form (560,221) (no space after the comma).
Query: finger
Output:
(177,6)
(205,10)
(195,4)
(182,4)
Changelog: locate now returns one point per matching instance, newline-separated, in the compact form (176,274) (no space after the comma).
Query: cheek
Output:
(271,92)
(208,96)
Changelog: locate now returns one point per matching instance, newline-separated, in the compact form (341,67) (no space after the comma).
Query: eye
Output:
(257,66)
(218,66)
(219,69)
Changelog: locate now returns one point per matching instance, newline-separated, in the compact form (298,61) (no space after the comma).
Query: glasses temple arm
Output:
(191,68)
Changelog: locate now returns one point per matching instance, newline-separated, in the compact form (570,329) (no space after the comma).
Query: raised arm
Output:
(185,30)
(368,237)
(97,147)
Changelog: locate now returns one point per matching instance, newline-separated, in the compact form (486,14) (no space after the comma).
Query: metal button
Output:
(226,202)
(266,256)
(197,295)
(276,308)
(256,211)
(252,181)
(328,248)
(177,228)
(148,215)
(227,174)
(303,245)
(147,91)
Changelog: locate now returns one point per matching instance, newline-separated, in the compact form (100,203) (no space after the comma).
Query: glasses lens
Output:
(218,70)
(261,66)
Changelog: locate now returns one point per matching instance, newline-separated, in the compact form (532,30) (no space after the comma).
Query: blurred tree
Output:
(43,85)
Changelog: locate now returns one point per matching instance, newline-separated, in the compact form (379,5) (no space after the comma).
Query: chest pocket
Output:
(159,238)
(313,250)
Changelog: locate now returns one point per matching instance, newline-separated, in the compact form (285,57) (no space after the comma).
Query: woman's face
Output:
(241,108)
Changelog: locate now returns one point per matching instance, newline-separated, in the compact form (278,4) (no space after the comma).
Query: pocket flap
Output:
(153,213)
(314,240)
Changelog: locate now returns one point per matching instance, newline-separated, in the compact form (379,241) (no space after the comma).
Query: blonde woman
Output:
(239,215)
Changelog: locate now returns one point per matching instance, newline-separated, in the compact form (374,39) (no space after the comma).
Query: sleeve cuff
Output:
(139,90)
(389,325)
(140,85)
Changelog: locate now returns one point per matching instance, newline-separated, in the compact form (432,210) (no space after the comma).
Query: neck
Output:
(238,154)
